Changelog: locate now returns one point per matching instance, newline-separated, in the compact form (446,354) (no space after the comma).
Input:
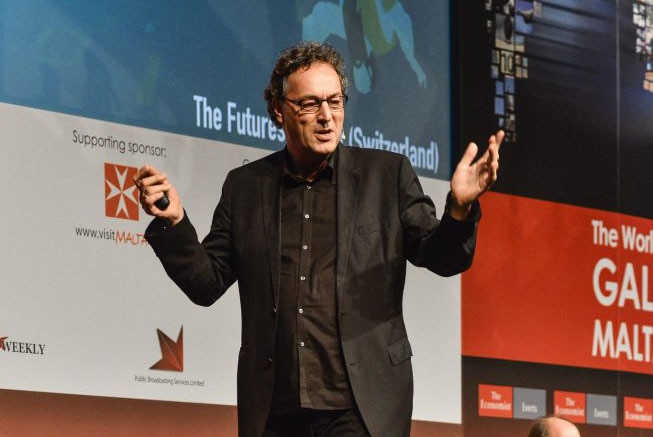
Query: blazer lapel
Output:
(270,186)
(348,178)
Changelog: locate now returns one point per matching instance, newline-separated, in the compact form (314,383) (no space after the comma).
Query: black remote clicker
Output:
(163,202)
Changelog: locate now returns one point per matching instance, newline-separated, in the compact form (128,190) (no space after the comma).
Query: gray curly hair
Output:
(301,55)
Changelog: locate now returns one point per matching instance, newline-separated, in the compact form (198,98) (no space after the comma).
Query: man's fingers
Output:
(144,171)
(148,175)
(492,153)
(469,155)
(151,181)
(149,190)
(152,185)
(498,139)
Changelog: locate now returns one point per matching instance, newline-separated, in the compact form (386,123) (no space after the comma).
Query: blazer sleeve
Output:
(445,246)
(203,271)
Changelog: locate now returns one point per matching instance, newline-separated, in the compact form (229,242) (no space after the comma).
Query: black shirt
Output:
(310,370)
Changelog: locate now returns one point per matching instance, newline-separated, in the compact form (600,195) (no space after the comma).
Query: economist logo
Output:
(10,346)
(495,401)
(638,413)
(570,405)
(120,192)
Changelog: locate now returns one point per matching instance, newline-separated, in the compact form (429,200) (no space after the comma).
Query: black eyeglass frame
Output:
(303,105)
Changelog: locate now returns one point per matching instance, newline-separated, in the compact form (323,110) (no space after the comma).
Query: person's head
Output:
(553,427)
(306,96)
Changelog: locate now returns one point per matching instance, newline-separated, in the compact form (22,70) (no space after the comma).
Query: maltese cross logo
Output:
(120,192)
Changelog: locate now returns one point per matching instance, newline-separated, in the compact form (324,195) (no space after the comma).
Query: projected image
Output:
(504,27)
(508,22)
(643,19)
(396,54)
(121,62)
(370,27)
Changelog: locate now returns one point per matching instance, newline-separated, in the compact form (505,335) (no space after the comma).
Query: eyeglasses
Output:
(311,106)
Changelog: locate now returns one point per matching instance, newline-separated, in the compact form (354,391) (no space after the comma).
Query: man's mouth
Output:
(324,134)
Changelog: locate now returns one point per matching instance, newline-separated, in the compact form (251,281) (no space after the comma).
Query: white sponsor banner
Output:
(83,295)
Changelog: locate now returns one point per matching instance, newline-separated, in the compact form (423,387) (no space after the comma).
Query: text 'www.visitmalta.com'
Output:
(112,235)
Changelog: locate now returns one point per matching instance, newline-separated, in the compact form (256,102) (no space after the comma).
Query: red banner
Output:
(560,284)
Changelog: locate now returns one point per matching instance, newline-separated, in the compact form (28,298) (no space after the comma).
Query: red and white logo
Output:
(638,413)
(120,192)
(570,405)
(495,401)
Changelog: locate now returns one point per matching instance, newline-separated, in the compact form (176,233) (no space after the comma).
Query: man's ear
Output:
(278,115)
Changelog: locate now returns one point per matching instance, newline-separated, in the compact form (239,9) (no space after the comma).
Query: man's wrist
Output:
(173,221)
(457,210)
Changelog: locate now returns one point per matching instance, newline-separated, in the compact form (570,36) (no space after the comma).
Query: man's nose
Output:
(324,112)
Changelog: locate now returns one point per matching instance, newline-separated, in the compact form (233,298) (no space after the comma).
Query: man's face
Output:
(311,137)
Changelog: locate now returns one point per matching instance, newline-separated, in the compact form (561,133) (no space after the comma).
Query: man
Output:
(317,236)
(553,427)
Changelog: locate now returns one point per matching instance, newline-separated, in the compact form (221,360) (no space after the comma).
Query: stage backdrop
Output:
(557,310)
(91,328)
(553,318)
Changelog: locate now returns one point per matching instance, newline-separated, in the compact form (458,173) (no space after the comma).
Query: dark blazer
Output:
(383,219)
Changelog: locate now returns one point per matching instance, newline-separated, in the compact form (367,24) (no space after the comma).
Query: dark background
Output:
(584,131)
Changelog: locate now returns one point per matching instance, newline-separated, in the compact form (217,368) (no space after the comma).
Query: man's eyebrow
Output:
(314,97)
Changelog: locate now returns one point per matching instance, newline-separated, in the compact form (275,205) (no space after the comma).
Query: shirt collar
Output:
(327,169)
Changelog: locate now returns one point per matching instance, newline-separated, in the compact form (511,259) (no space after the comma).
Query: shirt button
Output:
(302,278)
(305,246)
(306,216)
(301,311)
(308,187)
(301,344)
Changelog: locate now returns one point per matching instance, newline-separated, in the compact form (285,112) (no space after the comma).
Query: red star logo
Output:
(172,353)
